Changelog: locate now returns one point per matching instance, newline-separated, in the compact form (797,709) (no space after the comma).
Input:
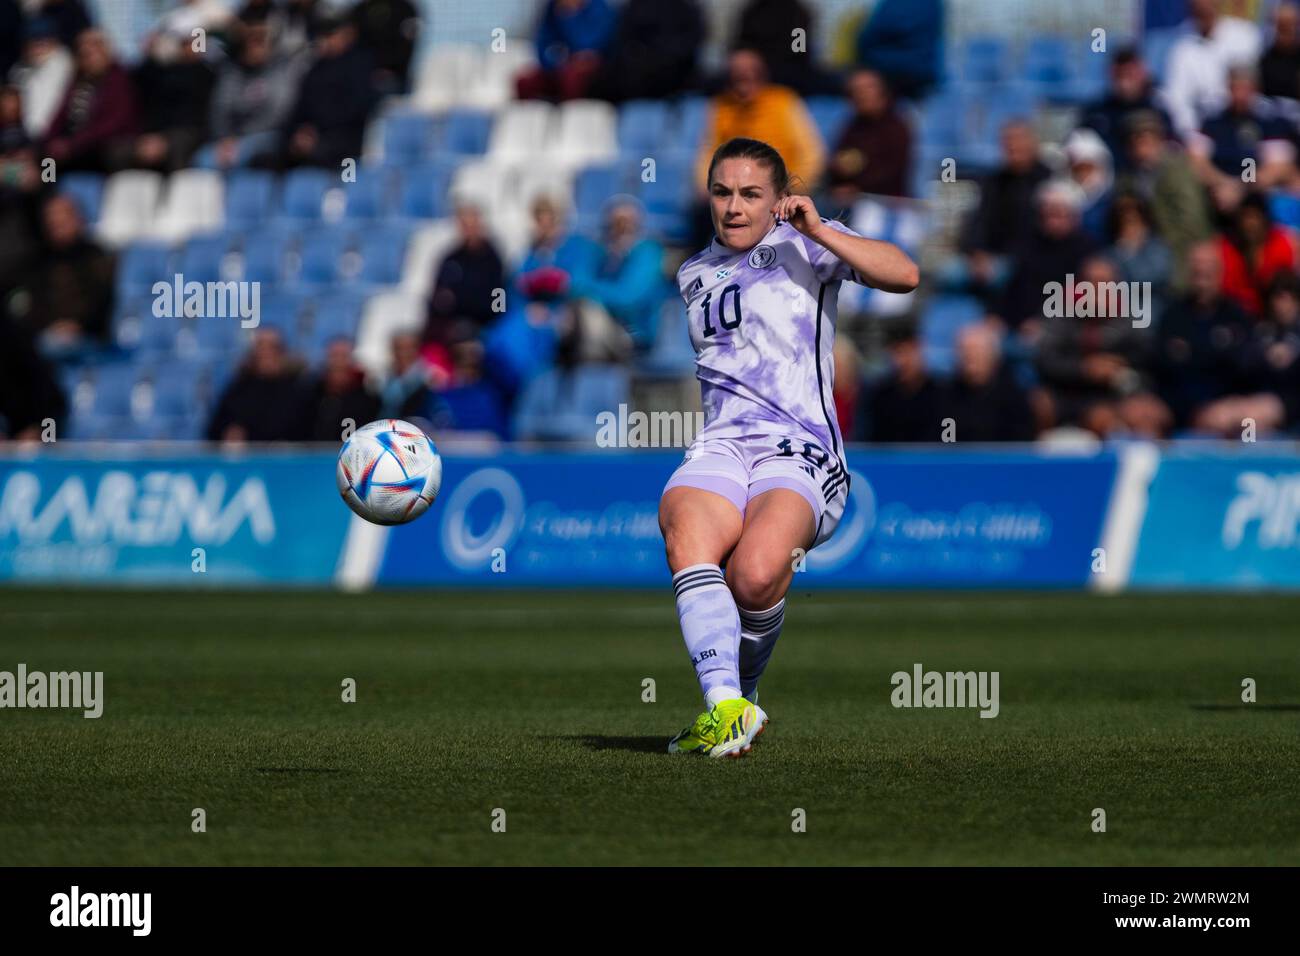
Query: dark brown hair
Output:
(759,152)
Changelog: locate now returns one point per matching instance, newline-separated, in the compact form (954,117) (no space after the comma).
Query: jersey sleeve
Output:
(827,265)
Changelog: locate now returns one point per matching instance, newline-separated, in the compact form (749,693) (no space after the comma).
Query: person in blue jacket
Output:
(572,38)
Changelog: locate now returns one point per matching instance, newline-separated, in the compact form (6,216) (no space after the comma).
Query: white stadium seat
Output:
(194,203)
(483,183)
(587,132)
(522,131)
(130,203)
(492,86)
(444,75)
(384,315)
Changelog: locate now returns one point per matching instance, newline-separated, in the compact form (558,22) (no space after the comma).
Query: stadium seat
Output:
(669,199)
(985,59)
(643,127)
(86,190)
(383,253)
(424,252)
(319,259)
(693,115)
(194,204)
(137,329)
(250,197)
(483,183)
(140,265)
(1047,66)
(204,259)
(443,76)
(382,316)
(335,314)
(262,256)
(830,113)
(535,180)
(130,200)
(586,132)
(492,84)
(407,138)
(112,386)
(592,188)
(1090,75)
(522,130)
(373,195)
(943,317)
(464,132)
(303,194)
(282,309)
(561,405)
(424,191)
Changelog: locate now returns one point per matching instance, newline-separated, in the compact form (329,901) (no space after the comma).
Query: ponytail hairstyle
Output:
(757,151)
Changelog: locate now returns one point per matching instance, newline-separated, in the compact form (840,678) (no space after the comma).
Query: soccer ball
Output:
(389,472)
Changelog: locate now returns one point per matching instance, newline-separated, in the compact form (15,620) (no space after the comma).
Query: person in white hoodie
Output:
(42,75)
(1196,74)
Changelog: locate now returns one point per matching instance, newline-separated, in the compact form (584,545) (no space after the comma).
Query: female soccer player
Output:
(764,481)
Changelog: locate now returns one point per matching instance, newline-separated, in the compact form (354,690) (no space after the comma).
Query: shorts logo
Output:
(762,257)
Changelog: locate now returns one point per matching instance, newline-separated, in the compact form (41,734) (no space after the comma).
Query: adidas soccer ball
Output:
(389,472)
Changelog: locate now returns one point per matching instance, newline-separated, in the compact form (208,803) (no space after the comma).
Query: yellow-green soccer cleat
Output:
(728,730)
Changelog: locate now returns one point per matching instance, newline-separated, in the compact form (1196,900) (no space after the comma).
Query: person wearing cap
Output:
(1131,90)
(1091,169)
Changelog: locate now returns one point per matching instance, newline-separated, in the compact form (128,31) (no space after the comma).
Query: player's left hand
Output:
(799,212)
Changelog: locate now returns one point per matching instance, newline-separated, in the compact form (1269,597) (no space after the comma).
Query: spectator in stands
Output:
(254,93)
(1242,130)
(1272,354)
(874,152)
(69,17)
(68,298)
(1138,253)
(44,74)
(267,400)
(654,53)
(1055,250)
(781,33)
(751,106)
(328,120)
(908,404)
(1253,252)
(1095,367)
(1196,74)
(339,394)
(471,400)
(1201,341)
(470,280)
(95,126)
(187,16)
(389,29)
(554,254)
(1004,219)
(1162,175)
(175,85)
(571,42)
(619,290)
(1131,91)
(983,398)
(11,35)
(1279,68)
(291,22)
(405,392)
(29,390)
(846,394)
(903,40)
(20,185)
(1092,171)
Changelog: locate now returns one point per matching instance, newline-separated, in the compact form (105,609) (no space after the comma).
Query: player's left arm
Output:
(881,265)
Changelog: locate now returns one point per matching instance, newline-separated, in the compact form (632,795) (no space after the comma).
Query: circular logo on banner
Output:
(762,257)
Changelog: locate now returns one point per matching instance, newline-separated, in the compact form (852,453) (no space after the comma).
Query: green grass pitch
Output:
(532,703)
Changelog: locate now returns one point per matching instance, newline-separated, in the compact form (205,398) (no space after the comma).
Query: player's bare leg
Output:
(778,529)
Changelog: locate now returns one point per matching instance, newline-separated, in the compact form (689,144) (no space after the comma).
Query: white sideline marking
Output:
(1125,515)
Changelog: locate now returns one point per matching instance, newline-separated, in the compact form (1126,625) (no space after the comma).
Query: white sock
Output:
(711,628)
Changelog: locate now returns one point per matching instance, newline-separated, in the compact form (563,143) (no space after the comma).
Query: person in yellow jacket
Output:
(751,107)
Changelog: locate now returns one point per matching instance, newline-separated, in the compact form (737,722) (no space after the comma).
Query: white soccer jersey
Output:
(763,326)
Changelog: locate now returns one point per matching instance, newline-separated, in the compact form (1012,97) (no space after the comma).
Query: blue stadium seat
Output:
(562,406)
(140,265)
(408,138)
(263,256)
(985,59)
(1091,74)
(424,191)
(830,113)
(373,194)
(281,309)
(303,191)
(87,190)
(692,114)
(383,251)
(643,127)
(202,258)
(465,132)
(176,390)
(112,383)
(944,316)
(668,200)
(337,314)
(592,187)
(1047,66)
(250,196)
(320,257)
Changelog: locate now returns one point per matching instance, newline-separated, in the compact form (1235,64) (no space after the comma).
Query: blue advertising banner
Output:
(930,519)
(258,518)
(1221,522)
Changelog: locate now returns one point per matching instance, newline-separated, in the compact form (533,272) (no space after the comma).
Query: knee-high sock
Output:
(711,627)
(758,633)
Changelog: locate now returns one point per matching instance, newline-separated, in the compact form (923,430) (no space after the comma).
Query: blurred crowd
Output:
(1186,185)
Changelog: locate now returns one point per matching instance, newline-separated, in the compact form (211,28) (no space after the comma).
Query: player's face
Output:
(742,196)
